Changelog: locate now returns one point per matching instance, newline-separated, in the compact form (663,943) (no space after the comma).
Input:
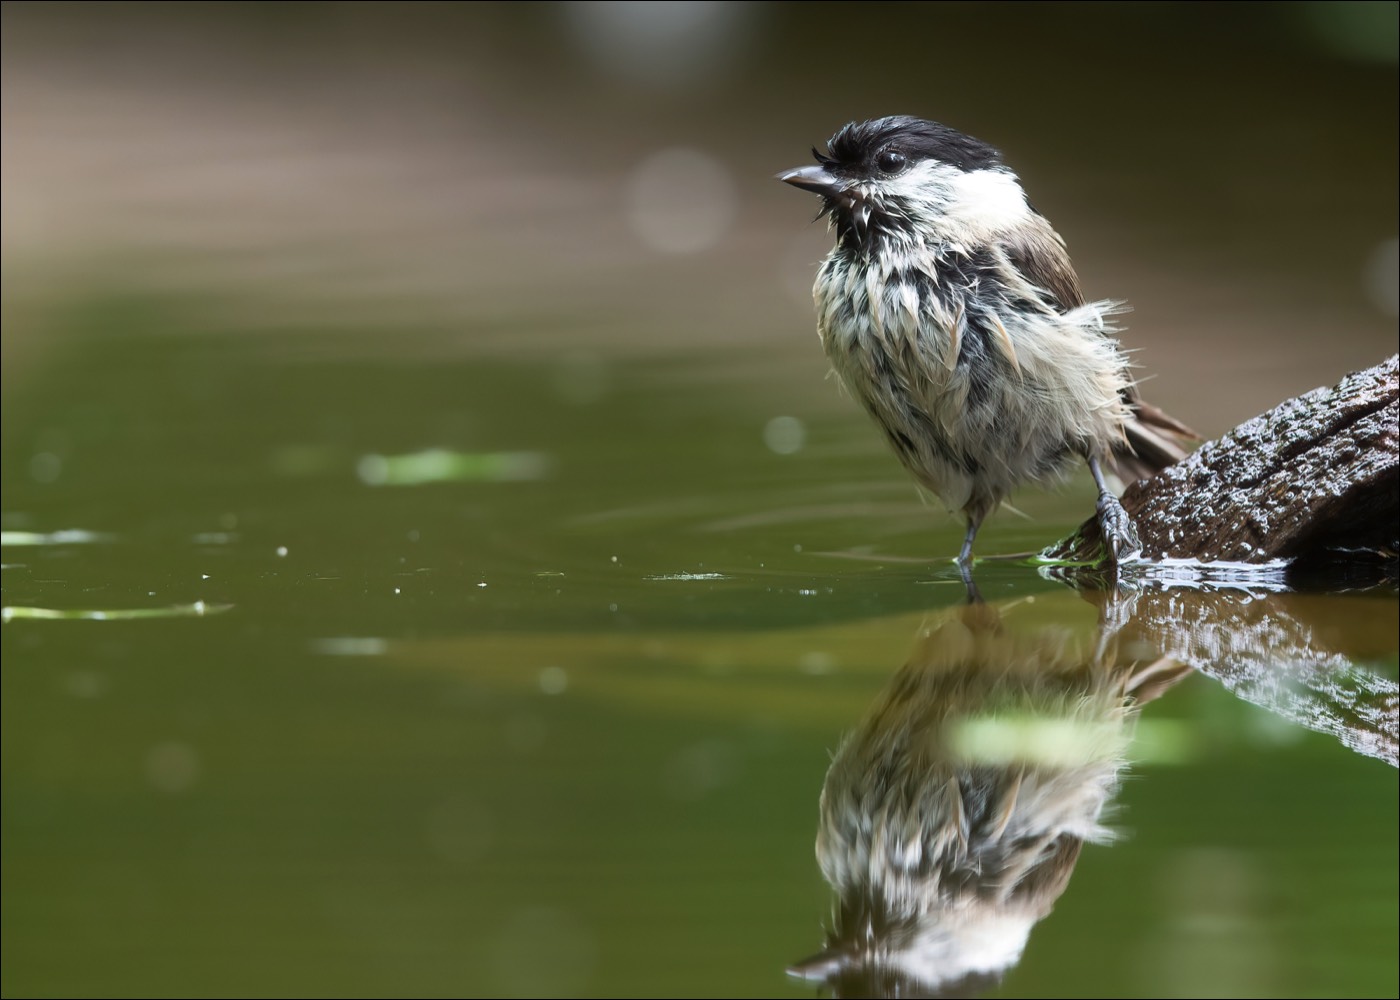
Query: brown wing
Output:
(1038,252)
(1155,440)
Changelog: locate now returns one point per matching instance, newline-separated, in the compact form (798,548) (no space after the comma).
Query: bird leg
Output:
(1119,535)
(974,521)
(974,596)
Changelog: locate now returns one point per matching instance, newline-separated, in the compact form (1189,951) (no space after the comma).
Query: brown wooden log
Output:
(1314,480)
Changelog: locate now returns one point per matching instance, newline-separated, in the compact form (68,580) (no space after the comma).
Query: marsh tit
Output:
(953,816)
(950,310)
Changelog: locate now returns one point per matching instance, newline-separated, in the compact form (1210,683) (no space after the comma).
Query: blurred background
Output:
(436,562)
(597,177)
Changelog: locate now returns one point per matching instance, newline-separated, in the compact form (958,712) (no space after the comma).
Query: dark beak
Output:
(814,179)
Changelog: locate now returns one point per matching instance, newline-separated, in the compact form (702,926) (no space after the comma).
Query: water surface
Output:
(483,676)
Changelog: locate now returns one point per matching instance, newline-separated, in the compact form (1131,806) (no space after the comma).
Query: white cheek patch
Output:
(960,204)
(988,199)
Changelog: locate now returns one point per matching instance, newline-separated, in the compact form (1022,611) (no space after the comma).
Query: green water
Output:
(550,714)
(435,565)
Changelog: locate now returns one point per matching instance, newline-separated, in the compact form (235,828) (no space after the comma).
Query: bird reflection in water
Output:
(953,816)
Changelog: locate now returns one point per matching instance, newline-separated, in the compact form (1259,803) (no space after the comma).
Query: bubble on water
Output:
(172,767)
(785,435)
(45,467)
(554,680)
(816,663)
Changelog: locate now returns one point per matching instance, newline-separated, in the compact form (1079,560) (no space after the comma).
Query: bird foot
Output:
(1119,535)
(974,596)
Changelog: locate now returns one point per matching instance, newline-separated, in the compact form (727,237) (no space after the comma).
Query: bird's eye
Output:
(890,161)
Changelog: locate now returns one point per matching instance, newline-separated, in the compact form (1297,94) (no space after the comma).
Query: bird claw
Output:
(1119,535)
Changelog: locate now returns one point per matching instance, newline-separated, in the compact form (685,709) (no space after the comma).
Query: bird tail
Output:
(1152,441)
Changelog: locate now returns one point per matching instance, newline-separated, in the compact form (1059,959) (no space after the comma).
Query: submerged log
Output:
(1315,480)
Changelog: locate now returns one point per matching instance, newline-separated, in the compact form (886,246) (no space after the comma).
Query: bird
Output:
(950,310)
(953,815)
